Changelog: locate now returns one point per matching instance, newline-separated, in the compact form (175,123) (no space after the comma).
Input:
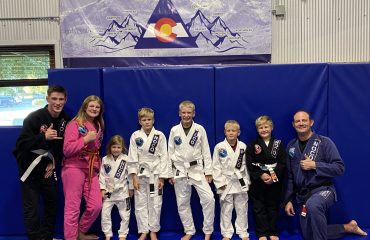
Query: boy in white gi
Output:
(231,179)
(114,187)
(191,163)
(147,164)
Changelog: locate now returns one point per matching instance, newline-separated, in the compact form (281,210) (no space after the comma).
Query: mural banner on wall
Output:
(164,31)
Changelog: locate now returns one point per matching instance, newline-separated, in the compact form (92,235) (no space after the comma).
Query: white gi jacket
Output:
(226,172)
(188,153)
(147,155)
(113,177)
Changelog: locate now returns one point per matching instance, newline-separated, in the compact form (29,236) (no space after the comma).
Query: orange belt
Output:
(93,154)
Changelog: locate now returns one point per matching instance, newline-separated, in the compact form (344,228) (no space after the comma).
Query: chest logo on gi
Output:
(257,149)
(291,151)
(177,140)
(107,168)
(139,141)
(43,128)
(222,153)
(82,130)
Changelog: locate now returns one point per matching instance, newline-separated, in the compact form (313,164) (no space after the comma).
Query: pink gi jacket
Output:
(76,153)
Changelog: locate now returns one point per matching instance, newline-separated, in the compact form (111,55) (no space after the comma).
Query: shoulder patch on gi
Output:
(291,151)
(177,140)
(257,149)
(139,141)
(107,168)
(222,152)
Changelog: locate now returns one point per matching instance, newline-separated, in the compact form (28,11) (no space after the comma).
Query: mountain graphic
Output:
(118,36)
(214,32)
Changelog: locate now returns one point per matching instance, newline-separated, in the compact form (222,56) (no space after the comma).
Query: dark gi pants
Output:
(314,224)
(32,189)
(265,199)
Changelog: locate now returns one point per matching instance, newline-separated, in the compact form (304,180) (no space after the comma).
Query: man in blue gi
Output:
(313,163)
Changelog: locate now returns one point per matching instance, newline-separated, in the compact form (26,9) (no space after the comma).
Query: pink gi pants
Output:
(75,184)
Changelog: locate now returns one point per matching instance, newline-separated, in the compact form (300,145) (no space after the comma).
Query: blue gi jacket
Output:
(323,151)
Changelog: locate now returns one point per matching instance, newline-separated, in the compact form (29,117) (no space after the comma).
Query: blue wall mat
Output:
(128,89)
(11,209)
(244,93)
(79,84)
(349,128)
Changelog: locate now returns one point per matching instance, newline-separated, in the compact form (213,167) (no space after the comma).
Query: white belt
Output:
(42,153)
(244,187)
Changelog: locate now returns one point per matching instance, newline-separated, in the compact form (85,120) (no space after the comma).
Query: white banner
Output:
(149,28)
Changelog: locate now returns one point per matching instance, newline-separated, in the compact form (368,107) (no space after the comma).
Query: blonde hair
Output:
(116,140)
(263,120)
(145,112)
(81,116)
(232,122)
(188,104)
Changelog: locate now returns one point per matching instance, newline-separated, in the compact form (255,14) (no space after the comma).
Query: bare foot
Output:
(245,238)
(143,236)
(107,238)
(225,238)
(186,237)
(274,238)
(122,238)
(153,236)
(352,227)
(207,236)
(262,238)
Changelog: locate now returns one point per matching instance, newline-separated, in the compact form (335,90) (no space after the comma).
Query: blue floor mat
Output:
(215,236)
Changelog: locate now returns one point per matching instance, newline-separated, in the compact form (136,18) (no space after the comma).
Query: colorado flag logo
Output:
(165,29)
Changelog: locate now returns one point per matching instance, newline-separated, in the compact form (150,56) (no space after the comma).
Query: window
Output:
(23,81)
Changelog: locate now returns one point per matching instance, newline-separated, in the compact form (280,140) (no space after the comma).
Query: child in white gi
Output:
(231,179)
(114,187)
(147,164)
(191,163)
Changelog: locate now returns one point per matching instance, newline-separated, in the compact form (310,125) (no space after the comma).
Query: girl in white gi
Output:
(147,164)
(191,163)
(114,187)
(231,179)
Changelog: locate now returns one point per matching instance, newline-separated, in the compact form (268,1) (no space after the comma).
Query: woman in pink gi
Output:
(80,173)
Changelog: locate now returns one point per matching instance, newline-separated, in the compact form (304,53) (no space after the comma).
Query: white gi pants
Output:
(239,201)
(148,208)
(183,196)
(124,209)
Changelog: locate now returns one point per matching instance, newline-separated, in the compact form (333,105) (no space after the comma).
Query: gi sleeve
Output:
(289,183)
(73,140)
(206,153)
(102,175)
(133,157)
(218,179)
(30,138)
(171,153)
(163,157)
(333,165)
(281,162)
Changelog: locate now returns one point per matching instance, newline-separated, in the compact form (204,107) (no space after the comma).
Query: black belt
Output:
(304,193)
(193,163)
